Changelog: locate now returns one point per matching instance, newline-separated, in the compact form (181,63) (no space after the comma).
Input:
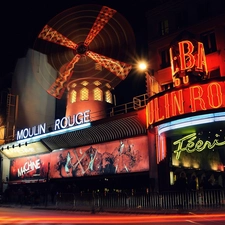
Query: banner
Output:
(121,156)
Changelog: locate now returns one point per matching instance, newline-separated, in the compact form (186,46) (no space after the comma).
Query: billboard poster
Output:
(121,156)
(201,149)
(29,169)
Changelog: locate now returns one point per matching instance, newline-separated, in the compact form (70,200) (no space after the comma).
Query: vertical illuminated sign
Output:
(188,62)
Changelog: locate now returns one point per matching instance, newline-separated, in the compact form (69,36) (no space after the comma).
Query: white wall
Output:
(30,82)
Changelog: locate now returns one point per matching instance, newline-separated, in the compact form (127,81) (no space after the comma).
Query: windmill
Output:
(87,46)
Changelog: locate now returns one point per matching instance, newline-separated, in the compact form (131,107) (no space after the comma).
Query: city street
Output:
(26,215)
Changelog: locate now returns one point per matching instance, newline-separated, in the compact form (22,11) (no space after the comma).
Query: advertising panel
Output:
(121,156)
(29,169)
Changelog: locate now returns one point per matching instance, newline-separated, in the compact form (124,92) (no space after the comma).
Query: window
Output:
(98,94)
(214,73)
(163,27)
(167,86)
(84,94)
(209,41)
(84,83)
(73,96)
(97,83)
(165,58)
(108,97)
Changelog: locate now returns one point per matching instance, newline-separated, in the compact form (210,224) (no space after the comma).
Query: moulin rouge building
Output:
(179,129)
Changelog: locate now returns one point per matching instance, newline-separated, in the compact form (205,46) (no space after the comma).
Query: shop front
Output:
(107,157)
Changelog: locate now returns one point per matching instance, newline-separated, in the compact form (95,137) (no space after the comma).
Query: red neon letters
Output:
(188,100)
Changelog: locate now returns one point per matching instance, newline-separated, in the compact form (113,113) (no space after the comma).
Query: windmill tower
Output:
(87,46)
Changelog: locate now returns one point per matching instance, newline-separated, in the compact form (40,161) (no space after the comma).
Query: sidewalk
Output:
(197,210)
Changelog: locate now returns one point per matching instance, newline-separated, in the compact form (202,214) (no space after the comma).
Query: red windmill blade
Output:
(120,69)
(51,35)
(102,19)
(58,87)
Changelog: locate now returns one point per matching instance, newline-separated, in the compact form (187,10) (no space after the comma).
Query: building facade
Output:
(146,145)
(186,51)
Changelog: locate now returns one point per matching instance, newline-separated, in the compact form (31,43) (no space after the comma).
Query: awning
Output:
(100,131)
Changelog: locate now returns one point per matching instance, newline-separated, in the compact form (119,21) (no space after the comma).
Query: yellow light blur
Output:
(142,66)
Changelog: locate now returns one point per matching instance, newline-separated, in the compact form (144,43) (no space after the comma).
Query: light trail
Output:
(105,219)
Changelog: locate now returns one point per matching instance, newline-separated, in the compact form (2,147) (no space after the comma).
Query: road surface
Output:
(26,215)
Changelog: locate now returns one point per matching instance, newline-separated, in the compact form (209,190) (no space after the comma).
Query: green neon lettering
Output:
(189,144)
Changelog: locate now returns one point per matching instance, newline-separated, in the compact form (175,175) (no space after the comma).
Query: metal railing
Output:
(166,200)
(189,200)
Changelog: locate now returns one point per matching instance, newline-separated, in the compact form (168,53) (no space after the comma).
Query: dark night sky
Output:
(22,21)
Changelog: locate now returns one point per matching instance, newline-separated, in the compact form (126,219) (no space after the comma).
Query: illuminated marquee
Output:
(188,100)
(65,122)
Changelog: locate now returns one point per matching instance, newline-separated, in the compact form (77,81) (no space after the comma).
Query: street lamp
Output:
(142,66)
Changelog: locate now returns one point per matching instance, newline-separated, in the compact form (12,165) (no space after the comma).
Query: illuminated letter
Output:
(19,135)
(186,79)
(71,120)
(167,106)
(86,116)
(194,98)
(215,96)
(176,82)
(201,62)
(79,118)
(156,103)
(57,122)
(149,113)
(25,133)
(63,122)
(178,102)
(187,60)
(42,128)
(173,62)
(32,131)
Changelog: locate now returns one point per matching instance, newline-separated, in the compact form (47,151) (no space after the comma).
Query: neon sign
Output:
(188,100)
(65,122)
(190,145)
(187,59)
